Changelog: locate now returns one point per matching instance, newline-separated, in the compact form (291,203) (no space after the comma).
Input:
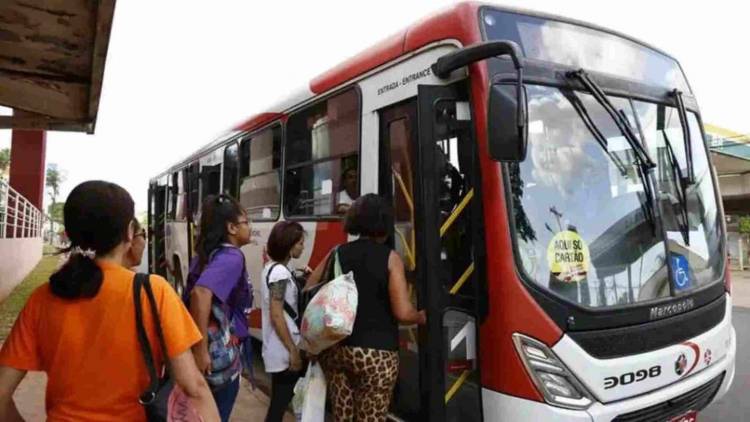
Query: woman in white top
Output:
(280,294)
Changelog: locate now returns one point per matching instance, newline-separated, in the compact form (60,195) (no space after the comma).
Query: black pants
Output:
(282,391)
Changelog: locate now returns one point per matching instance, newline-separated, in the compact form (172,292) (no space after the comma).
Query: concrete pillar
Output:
(27,164)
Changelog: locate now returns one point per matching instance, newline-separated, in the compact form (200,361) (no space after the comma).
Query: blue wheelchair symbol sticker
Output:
(680,272)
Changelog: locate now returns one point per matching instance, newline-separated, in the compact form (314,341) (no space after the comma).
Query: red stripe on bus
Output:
(383,52)
(456,22)
(257,121)
(327,235)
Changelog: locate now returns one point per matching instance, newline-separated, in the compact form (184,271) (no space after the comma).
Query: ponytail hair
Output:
(97,215)
(216,212)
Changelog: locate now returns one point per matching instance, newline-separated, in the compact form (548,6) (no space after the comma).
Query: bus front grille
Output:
(696,399)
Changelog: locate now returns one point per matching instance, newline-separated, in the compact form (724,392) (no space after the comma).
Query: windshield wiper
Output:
(646,164)
(680,182)
(682,112)
(591,126)
(620,121)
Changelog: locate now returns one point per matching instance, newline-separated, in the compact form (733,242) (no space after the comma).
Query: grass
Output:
(48,249)
(12,305)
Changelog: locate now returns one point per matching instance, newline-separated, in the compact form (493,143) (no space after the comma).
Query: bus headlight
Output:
(556,383)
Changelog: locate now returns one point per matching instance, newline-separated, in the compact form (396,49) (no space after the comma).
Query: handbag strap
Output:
(142,281)
(157,320)
(336,264)
(333,266)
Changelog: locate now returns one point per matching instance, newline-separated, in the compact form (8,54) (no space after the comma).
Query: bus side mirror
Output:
(507,123)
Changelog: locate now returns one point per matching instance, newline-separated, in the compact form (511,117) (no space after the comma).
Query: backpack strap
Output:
(287,307)
(149,395)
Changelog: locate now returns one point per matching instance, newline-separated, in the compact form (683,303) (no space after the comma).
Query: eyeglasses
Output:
(140,233)
(243,222)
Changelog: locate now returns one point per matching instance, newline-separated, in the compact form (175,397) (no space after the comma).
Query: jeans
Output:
(282,391)
(225,397)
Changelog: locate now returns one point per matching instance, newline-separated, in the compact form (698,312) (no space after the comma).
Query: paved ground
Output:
(741,290)
(251,405)
(735,406)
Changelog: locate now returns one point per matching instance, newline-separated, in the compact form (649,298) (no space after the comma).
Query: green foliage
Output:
(12,305)
(744,222)
(55,211)
(4,161)
(142,218)
(55,178)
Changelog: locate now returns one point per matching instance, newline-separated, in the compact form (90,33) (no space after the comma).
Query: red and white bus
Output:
(556,209)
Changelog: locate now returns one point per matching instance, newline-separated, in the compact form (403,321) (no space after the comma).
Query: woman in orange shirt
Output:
(80,327)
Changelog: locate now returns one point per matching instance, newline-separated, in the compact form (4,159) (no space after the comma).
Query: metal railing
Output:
(19,218)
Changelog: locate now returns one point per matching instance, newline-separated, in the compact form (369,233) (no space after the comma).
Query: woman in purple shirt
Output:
(218,294)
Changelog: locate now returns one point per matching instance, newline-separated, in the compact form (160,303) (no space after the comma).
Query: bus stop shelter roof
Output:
(730,151)
(52,55)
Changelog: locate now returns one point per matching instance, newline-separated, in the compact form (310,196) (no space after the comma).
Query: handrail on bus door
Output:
(408,246)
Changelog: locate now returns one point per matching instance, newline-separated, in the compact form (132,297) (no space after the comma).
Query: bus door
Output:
(158,225)
(192,173)
(428,168)
(151,229)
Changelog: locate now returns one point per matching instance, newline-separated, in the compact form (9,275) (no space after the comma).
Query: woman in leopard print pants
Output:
(361,371)
(360,382)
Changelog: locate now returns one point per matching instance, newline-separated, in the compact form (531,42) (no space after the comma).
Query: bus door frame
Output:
(435,297)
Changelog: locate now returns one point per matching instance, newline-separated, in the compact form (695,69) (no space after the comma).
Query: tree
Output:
(55,178)
(4,161)
(744,223)
(55,212)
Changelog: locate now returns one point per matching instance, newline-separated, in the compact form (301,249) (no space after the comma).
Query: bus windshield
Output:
(581,216)
(578,46)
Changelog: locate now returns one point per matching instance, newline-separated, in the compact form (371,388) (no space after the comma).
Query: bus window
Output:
(259,187)
(244,158)
(181,196)
(173,192)
(159,233)
(210,180)
(231,164)
(193,198)
(322,157)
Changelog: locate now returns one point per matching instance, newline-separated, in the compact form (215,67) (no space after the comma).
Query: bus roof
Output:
(457,22)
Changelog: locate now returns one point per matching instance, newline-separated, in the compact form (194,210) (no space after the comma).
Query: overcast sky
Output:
(180,72)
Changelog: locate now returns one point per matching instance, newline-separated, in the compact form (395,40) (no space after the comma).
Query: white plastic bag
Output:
(329,317)
(309,401)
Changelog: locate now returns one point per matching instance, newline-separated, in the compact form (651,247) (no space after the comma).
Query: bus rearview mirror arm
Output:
(506,122)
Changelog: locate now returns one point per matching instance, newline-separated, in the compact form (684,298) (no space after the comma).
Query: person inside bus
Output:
(280,313)
(135,254)
(80,327)
(350,193)
(362,370)
(218,294)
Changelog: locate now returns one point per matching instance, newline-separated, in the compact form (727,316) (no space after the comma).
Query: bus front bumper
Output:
(498,406)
